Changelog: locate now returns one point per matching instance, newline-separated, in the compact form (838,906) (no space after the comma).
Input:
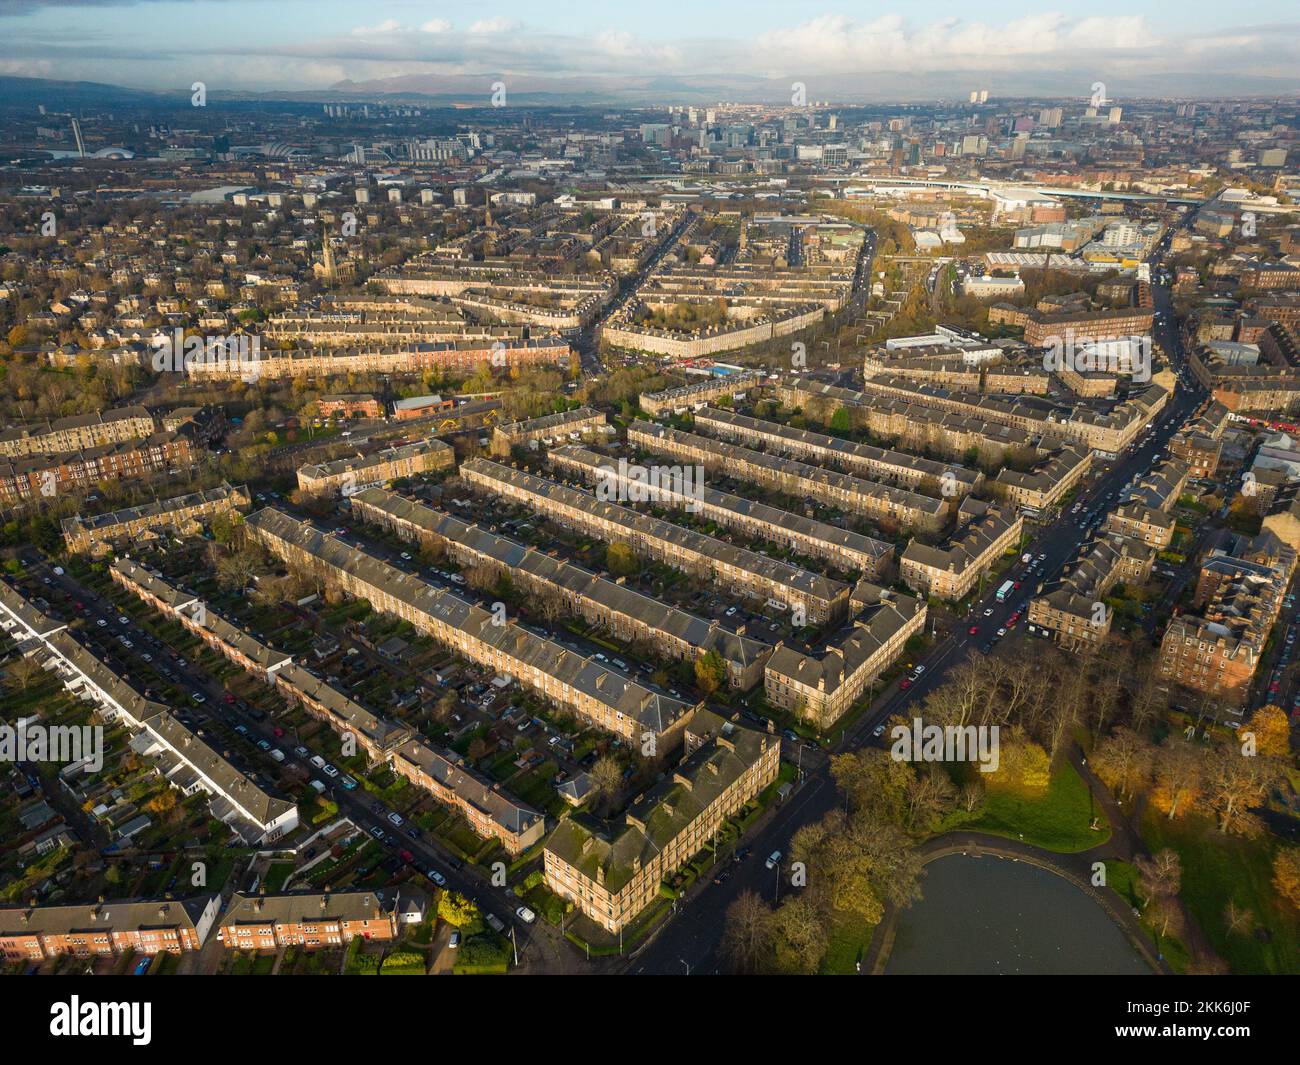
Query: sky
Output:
(302,45)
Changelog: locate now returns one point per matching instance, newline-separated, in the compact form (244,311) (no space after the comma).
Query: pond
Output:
(990,915)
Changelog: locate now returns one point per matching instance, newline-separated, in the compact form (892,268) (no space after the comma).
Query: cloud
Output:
(389,25)
(499,24)
(833,53)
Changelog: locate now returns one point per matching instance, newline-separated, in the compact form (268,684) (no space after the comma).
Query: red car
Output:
(407,857)
(904,684)
(278,731)
(974,630)
(229,698)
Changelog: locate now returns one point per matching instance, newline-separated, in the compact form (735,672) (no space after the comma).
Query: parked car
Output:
(526,915)
(773,860)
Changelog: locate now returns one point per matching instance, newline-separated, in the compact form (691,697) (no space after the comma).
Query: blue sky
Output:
(313,44)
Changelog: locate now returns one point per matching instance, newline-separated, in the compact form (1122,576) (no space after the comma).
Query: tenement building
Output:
(617,609)
(580,684)
(138,525)
(883,503)
(879,464)
(1075,613)
(567,425)
(612,870)
(820,689)
(736,569)
(951,572)
(843,549)
(350,475)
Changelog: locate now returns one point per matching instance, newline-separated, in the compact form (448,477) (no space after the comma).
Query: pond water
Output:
(991,915)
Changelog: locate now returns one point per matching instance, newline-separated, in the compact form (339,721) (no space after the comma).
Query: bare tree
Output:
(1234,783)
(747,934)
(1239,920)
(1178,771)
(1123,761)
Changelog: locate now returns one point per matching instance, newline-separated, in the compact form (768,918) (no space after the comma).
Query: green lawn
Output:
(1217,869)
(850,935)
(1056,820)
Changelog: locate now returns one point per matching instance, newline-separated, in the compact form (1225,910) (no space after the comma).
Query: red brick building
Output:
(146,926)
(314,920)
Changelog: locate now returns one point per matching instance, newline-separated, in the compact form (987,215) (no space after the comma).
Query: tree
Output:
(747,934)
(930,797)
(1178,772)
(1123,761)
(870,779)
(1286,874)
(973,795)
(456,909)
(798,936)
(620,559)
(223,527)
(24,671)
(1233,783)
(1146,701)
(1159,875)
(1024,767)
(1159,878)
(710,672)
(445,707)
(482,576)
(236,571)
(1238,920)
(606,778)
(1272,731)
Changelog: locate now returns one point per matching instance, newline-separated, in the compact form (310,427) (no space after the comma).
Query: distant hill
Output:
(542,90)
(62,95)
